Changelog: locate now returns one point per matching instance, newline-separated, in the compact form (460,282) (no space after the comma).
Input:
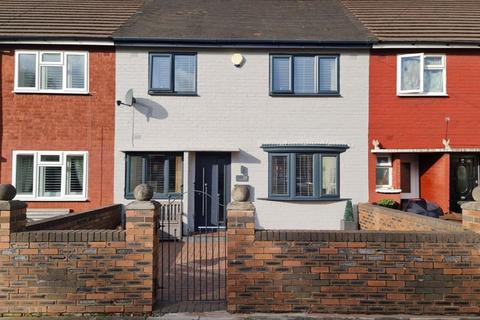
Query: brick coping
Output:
(367,236)
(69,236)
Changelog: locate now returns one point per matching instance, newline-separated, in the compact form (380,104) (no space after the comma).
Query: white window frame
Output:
(388,165)
(63,64)
(37,163)
(423,67)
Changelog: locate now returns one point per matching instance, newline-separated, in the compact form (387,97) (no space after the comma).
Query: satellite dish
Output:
(129,99)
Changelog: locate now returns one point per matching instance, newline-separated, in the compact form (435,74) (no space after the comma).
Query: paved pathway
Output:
(222,315)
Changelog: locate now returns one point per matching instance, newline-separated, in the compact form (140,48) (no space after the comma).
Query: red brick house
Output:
(424,105)
(58,100)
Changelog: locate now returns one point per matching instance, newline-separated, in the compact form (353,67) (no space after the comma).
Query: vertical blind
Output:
(24,175)
(135,172)
(304,174)
(329,175)
(281,74)
(156,173)
(27,68)
(151,168)
(185,66)
(75,71)
(304,74)
(279,174)
(327,74)
(161,68)
(75,175)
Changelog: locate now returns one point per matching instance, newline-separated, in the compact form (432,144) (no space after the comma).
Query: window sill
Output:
(309,95)
(51,199)
(421,95)
(305,199)
(388,190)
(157,93)
(81,93)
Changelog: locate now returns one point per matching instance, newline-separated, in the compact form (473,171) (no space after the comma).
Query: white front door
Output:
(409,177)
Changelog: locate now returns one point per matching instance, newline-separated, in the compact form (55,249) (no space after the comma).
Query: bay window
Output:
(51,71)
(50,175)
(307,172)
(162,171)
(421,74)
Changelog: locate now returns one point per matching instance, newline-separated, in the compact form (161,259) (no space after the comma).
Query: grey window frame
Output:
(171,90)
(166,195)
(291,153)
(291,92)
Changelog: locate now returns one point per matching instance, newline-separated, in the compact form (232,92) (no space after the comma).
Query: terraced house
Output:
(57,101)
(424,102)
(227,92)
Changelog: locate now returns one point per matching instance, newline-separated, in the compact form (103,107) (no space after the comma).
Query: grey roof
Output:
(450,21)
(63,19)
(244,21)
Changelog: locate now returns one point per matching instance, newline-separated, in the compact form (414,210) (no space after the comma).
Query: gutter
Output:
(42,40)
(242,43)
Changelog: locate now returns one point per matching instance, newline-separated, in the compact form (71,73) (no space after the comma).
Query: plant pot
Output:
(348,225)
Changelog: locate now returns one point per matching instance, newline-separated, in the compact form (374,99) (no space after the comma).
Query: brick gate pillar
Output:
(471,216)
(13,215)
(240,240)
(142,239)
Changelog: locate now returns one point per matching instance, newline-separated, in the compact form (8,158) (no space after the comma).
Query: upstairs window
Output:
(51,72)
(50,175)
(173,73)
(304,172)
(304,75)
(162,171)
(420,74)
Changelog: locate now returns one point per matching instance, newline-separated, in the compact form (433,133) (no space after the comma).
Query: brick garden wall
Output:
(77,271)
(108,217)
(373,217)
(350,271)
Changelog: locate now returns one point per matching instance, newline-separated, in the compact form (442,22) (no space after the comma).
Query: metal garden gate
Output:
(192,266)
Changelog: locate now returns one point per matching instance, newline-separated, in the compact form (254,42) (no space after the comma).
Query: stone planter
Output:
(348,225)
(241,193)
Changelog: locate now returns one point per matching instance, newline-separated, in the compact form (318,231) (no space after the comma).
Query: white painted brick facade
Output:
(235,112)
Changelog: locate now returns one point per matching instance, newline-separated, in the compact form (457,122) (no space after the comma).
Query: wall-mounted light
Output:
(237,60)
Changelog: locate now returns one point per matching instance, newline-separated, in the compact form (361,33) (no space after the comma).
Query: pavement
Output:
(222,315)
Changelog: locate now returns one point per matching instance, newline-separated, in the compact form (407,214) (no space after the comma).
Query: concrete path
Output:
(222,315)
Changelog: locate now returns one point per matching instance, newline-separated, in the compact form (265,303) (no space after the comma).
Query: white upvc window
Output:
(51,71)
(384,172)
(421,74)
(50,175)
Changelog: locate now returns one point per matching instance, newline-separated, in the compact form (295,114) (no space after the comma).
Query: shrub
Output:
(348,214)
(389,203)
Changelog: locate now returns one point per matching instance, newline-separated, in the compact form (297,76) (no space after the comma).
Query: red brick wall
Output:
(372,217)
(419,122)
(63,122)
(350,272)
(435,179)
(102,218)
(78,271)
